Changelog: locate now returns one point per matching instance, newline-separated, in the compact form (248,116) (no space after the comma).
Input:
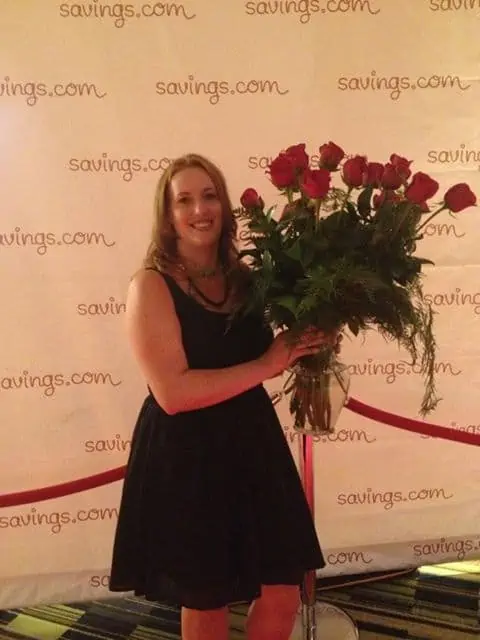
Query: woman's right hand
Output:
(283,352)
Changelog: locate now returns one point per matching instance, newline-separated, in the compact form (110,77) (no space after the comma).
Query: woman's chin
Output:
(206,240)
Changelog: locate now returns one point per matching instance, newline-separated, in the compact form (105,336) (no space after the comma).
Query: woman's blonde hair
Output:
(162,250)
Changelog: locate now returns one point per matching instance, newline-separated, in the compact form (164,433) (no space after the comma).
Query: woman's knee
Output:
(204,624)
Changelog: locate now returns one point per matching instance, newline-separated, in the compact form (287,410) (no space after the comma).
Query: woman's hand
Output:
(283,352)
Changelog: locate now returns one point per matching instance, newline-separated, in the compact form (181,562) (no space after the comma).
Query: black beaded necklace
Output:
(213,303)
(206,273)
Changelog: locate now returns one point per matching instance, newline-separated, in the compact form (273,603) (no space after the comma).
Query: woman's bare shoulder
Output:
(146,284)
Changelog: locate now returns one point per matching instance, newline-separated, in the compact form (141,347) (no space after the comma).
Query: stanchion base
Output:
(331,624)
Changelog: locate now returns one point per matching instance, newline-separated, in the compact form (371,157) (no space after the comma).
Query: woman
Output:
(212,511)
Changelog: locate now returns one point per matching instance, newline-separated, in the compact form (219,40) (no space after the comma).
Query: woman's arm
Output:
(155,335)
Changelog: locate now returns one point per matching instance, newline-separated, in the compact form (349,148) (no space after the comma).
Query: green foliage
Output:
(353,266)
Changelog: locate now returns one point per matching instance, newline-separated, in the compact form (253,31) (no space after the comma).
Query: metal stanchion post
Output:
(319,621)
(309,581)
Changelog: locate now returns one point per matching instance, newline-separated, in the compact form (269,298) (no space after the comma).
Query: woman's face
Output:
(196,211)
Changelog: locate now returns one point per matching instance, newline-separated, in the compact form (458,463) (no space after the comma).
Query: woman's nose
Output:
(200,206)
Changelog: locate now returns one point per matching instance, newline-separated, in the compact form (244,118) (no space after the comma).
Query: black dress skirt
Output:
(212,504)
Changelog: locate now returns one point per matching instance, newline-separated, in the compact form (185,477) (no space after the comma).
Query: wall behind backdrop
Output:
(95,99)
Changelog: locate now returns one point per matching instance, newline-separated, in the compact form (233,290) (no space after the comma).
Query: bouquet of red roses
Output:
(344,256)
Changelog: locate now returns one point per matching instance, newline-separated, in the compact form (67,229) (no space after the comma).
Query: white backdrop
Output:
(95,99)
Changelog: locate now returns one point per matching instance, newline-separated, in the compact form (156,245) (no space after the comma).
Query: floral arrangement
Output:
(344,256)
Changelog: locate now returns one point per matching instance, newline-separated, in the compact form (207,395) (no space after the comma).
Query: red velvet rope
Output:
(64,489)
(416,426)
(113,475)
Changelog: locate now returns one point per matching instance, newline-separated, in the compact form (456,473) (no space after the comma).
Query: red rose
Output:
(402,165)
(315,184)
(421,188)
(424,208)
(330,156)
(391,178)
(459,197)
(353,170)
(373,174)
(250,199)
(298,156)
(385,196)
(282,172)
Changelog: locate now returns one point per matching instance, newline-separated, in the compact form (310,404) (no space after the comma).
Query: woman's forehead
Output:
(191,179)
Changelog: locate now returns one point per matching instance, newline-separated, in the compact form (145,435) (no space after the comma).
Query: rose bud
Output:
(315,184)
(298,156)
(459,197)
(391,179)
(330,156)
(385,196)
(250,199)
(282,172)
(353,170)
(373,174)
(421,188)
(402,165)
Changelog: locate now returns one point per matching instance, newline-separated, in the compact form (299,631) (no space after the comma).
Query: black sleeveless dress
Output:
(212,505)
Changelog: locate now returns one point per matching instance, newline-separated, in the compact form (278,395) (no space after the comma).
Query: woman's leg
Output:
(272,616)
(204,625)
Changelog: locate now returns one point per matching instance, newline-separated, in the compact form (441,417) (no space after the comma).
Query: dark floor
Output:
(438,603)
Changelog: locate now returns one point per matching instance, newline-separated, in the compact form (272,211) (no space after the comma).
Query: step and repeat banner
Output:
(96,98)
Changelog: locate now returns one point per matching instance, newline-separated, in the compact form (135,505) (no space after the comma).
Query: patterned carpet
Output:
(438,603)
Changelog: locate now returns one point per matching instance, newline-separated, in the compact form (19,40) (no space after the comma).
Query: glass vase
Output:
(318,391)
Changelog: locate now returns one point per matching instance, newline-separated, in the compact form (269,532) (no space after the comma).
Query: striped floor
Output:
(438,603)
